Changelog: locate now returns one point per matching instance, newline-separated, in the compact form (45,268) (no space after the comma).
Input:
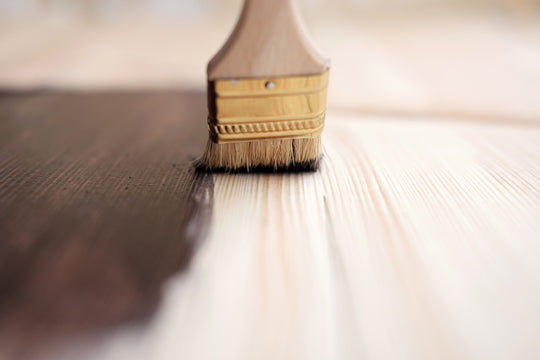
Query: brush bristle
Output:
(270,155)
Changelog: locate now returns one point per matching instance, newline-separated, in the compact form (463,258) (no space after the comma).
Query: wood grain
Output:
(99,205)
(415,240)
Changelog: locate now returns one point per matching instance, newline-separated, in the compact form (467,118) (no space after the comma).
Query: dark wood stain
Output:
(99,205)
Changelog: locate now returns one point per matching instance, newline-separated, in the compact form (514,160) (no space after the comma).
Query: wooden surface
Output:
(403,245)
(268,40)
(417,239)
(414,241)
(99,206)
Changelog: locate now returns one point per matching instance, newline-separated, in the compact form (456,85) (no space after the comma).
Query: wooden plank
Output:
(416,239)
(98,206)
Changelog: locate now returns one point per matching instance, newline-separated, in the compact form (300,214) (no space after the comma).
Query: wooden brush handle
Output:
(268,40)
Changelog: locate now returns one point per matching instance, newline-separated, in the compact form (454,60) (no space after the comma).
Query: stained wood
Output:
(415,240)
(269,39)
(99,205)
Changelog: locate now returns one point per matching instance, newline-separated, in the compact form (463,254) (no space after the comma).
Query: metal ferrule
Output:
(267,108)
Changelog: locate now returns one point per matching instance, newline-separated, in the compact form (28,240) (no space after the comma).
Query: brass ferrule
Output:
(267,108)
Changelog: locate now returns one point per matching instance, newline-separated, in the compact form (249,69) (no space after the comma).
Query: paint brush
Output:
(266,94)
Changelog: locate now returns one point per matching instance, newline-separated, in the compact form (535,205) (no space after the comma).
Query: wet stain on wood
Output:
(99,205)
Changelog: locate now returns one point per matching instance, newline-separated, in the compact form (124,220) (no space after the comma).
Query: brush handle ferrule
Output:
(249,110)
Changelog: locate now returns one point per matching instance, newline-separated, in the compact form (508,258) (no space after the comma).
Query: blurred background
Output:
(476,58)
(88,10)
